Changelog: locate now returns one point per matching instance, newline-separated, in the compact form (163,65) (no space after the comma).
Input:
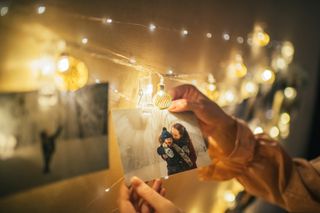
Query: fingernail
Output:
(135,181)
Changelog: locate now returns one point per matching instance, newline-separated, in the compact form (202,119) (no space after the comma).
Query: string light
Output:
(106,20)
(170,72)
(290,93)
(226,36)
(41,9)
(249,89)
(284,118)
(166,177)
(84,40)
(132,60)
(287,50)
(229,197)
(97,81)
(107,190)
(237,68)
(4,11)
(162,99)
(152,27)
(63,64)
(267,76)
(240,40)
(274,132)
(209,35)
(260,38)
(258,130)
(184,32)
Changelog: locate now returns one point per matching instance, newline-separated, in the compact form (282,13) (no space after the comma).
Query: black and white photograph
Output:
(47,137)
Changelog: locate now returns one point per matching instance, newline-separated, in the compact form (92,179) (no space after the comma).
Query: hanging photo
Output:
(158,143)
(47,136)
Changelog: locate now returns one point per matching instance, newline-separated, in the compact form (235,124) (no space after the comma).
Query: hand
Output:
(145,199)
(220,128)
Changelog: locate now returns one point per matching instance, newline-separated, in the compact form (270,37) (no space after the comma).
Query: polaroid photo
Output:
(158,143)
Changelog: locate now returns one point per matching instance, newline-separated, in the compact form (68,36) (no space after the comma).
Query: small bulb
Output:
(267,76)
(249,89)
(184,32)
(106,20)
(229,96)
(166,177)
(287,50)
(284,118)
(84,40)
(132,60)
(258,130)
(63,64)
(229,197)
(162,99)
(107,190)
(274,132)
(97,81)
(226,36)
(240,40)
(115,91)
(152,27)
(212,87)
(41,9)
(4,11)
(209,35)
(170,71)
(290,93)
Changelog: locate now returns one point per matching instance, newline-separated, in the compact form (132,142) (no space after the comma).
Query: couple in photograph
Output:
(177,149)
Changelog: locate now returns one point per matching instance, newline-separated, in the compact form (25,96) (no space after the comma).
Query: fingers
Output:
(183,91)
(148,194)
(124,202)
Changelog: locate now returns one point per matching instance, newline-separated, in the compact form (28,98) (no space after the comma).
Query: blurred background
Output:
(258,59)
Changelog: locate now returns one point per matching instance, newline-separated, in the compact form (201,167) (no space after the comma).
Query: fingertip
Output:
(135,181)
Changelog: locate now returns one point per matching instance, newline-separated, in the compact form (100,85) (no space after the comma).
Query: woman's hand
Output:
(145,199)
(213,121)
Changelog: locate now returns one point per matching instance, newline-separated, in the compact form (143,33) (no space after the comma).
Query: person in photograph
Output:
(182,139)
(48,147)
(258,162)
(176,158)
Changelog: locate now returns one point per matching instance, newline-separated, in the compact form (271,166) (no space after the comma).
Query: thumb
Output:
(147,193)
(181,105)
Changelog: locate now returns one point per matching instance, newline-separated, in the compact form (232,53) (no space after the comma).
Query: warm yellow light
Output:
(152,27)
(84,40)
(212,87)
(240,40)
(284,118)
(162,99)
(184,32)
(258,130)
(279,63)
(229,196)
(170,71)
(209,35)
(267,76)
(290,93)
(107,190)
(260,37)
(226,36)
(63,64)
(72,75)
(274,132)
(249,89)
(287,50)
(4,11)
(41,9)
(229,96)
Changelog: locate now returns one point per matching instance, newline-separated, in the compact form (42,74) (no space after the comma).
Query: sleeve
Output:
(267,171)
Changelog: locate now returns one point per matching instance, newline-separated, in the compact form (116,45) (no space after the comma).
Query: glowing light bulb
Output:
(229,96)
(284,118)
(240,40)
(229,197)
(226,36)
(170,71)
(258,130)
(166,177)
(212,87)
(162,99)
(249,89)
(4,11)
(287,50)
(209,35)
(279,63)
(72,73)
(290,93)
(41,9)
(152,27)
(107,190)
(97,81)
(267,76)
(132,60)
(84,40)
(106,20)
(260,38)
(184,32)
(237,68)
(274,132)
(63,64)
